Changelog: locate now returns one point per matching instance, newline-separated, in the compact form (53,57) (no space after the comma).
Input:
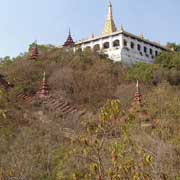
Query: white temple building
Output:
(120,45)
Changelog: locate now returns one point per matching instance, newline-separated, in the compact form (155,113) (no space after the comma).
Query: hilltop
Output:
(89,126)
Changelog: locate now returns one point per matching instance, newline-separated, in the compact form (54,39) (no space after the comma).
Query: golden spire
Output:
(109,25)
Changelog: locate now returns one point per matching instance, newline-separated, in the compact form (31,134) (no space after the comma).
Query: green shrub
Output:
(142,71)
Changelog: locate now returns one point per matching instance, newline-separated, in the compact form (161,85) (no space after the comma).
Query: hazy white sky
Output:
(48,21)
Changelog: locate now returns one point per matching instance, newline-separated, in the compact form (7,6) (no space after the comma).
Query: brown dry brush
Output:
(35,144)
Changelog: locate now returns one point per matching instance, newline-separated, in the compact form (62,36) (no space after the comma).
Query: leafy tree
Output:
(5,62)
(106,151)
(164,104)
(110,142)
(169,60)
(174,46)
(142,71)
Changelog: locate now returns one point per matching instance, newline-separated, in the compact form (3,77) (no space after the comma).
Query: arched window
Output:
(132,45)
(116,43)
(156,53)
(79,49)
(139,47)
(88,48)
(96,47)
(145,49)
(125,43)
(106,45)
(150,51)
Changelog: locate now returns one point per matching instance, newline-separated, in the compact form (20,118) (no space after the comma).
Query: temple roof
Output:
(69,42)
(110,30)
(35,52)
(43,91)
(124,33)
(109,25)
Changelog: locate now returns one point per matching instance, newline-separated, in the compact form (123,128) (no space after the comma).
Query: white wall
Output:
(122,53)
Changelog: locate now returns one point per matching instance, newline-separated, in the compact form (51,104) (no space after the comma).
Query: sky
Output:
(48,21)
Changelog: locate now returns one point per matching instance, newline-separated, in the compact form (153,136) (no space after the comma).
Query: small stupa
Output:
(69,43)
(137,95)
(35,52)
(44,89)
(137,100)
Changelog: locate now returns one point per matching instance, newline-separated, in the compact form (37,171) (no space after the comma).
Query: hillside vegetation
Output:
(112,140)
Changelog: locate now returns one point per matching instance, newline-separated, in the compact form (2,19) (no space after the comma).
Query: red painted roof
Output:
(69,42)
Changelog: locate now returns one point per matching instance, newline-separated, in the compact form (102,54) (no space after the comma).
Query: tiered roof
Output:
(44,90)
(69,42)
(110,30)
(136,104)
(34,53)
(137,95)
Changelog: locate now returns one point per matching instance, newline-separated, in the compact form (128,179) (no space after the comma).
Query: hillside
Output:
(89,127)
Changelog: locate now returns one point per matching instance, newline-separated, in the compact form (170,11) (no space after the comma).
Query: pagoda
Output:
(137,95)
(69,42)
(136,104)
(139,111)
(110,26)
(44,90)
(35,52)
